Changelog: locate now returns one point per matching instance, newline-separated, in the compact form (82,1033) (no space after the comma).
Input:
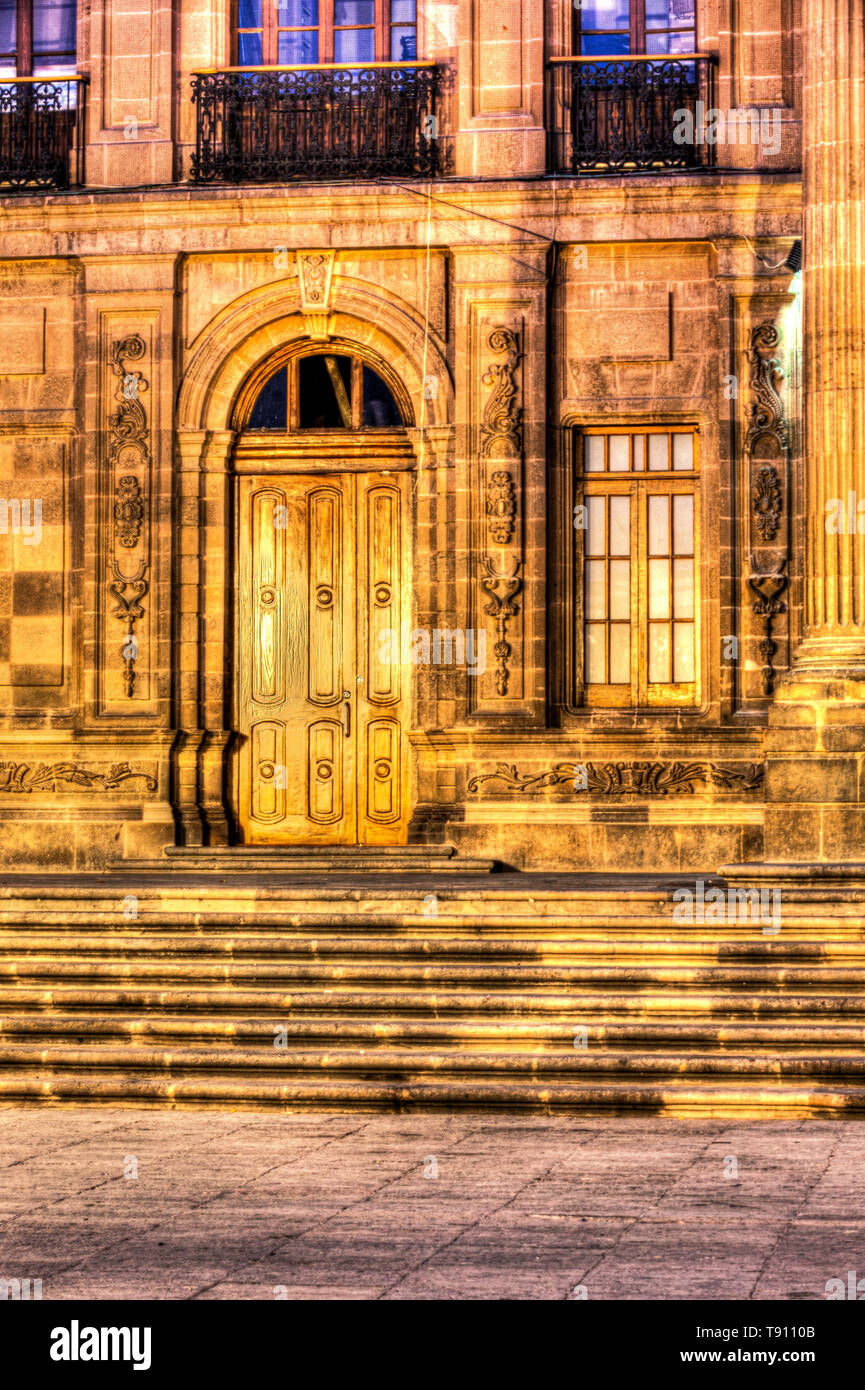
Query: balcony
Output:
(349,121)
(619,115)
(41,132)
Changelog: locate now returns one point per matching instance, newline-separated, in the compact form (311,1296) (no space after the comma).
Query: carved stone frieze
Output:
(128,510)
(768,604)
(129,591)
(630,778)
(45,777)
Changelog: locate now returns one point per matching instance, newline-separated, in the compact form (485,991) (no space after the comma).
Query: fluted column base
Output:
(815,764)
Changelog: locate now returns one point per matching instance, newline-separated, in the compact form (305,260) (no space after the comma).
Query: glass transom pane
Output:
(605,14)
(593,453)
(683,452)
(620,453)
(659,453)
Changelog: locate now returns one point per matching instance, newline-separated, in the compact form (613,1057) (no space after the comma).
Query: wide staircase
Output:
(200,987)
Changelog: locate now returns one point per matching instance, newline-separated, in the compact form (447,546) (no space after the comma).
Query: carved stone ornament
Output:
(501,506)
(630,778)
(128,510)
(766,413)
(45,777)
(128,449)
(768,588)
(129,591)
(315,272)
(501,428)
(766,502)
(501,587)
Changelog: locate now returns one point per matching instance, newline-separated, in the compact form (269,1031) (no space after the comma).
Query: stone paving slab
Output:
(246,1206)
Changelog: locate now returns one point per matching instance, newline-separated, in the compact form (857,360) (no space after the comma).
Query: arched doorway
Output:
(322,572)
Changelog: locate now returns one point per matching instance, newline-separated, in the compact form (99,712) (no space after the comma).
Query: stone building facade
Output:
(397,454)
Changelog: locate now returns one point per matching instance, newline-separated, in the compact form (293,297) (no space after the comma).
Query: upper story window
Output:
(294,33)
(37,38)
(323,391)
(611,28)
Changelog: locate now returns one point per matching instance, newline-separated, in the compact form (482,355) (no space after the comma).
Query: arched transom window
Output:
(323,391)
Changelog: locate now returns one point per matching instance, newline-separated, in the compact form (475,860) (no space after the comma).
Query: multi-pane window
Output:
(293,33)
(636,528)
(37,38)
(609,28)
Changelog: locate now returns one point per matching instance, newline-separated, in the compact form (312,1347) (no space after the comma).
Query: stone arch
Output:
(250,329)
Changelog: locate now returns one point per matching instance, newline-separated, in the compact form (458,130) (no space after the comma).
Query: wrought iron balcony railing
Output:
(41,132)
(348,121)
(621,114)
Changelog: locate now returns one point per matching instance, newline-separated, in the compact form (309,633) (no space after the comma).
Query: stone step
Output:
(423,1064)
(573,947)
(337,1033)
(577,1007)
(677,1099)
(387,974)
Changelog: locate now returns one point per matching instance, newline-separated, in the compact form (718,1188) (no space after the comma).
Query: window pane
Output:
(270,411)
(403,11)
(639,452)
(593,453)
(659,453)
(659,589)
(596,540)
(324,390)
(659,654)
(620,525)
(605,14)
(620,654)
(403,44)
(54,26)
(604,45)
(683,525)
(659,525)
(249,50)
(380,410)
(296,12)
(249,14)
(620,589)
(683,452)
(683,588)
(683,652)
(7,26)
(354,12)
(596,589)
(596,641)
(298,47)
(668,14)
(354,46)
(619,453)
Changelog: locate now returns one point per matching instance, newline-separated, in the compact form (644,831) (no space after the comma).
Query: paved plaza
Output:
(135,1204)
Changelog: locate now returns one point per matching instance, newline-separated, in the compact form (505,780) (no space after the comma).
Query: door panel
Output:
(322,697)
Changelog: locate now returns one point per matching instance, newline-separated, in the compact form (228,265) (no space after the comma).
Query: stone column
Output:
(816,738)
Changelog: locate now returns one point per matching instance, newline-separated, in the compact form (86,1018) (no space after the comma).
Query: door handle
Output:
(346,713)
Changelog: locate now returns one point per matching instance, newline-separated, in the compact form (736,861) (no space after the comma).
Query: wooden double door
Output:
(322,690)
